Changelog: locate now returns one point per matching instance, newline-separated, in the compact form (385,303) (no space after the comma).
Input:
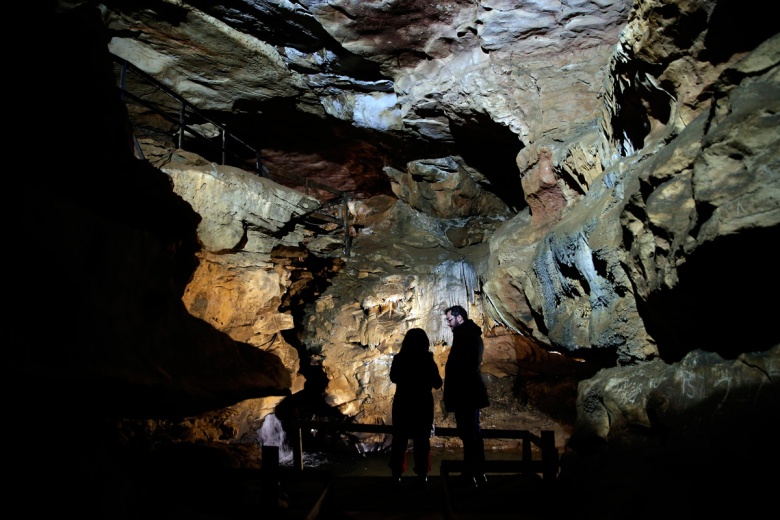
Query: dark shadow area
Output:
(509,495)
(642,108)
(492,149)
(722,444)
(325,150)
(735,27)
(310,276)
(554,395)
(631,122)
(722,302)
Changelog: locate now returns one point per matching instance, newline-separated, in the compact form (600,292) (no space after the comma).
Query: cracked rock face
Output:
(435,75)
(597,182)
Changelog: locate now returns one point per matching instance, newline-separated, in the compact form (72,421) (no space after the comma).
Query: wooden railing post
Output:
(548,466)
(549,456)
(270,480)
(527,453)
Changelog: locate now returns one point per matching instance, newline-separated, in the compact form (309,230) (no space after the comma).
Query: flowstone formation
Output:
(596,181)
(561,197)
(403,273)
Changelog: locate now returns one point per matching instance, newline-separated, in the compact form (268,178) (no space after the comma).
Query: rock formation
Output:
(596,181)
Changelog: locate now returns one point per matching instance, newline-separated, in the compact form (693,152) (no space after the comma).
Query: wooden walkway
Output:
(521,488)
(504,496)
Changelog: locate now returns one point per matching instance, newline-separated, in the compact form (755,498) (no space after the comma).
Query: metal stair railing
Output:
(184,107)
(187,110)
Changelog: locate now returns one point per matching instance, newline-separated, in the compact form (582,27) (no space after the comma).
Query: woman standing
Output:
(415,374)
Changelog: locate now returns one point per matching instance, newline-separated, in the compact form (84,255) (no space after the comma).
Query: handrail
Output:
(185,106)
(548,466)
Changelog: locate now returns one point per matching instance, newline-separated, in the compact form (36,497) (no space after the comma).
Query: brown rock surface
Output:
(596,181)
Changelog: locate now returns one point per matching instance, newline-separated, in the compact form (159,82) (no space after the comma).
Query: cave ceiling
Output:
(520,133)
(579,164)
(337,91)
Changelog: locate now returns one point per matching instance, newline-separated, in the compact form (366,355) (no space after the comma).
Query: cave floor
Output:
(504,496)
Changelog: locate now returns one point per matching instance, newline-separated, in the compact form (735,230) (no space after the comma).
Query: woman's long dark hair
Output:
(415,342)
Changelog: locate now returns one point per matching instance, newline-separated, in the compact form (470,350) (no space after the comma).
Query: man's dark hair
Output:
(457,310)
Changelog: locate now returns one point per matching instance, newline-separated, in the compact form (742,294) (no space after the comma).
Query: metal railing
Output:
(186,112)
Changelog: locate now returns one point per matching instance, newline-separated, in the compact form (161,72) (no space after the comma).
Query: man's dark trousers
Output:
(470,433)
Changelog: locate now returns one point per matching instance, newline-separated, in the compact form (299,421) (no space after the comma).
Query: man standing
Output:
(465,393)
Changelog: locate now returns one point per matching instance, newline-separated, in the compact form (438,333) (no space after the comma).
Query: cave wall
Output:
(629,224)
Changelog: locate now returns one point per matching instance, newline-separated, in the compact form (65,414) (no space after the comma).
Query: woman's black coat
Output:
(415,374)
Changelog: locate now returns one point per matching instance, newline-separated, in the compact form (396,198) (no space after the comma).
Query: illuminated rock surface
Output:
(597,181)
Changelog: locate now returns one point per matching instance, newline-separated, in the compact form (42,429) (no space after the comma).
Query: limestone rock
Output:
(232,201)
(637,423)
(445,188)
(580,283)
(615,191)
